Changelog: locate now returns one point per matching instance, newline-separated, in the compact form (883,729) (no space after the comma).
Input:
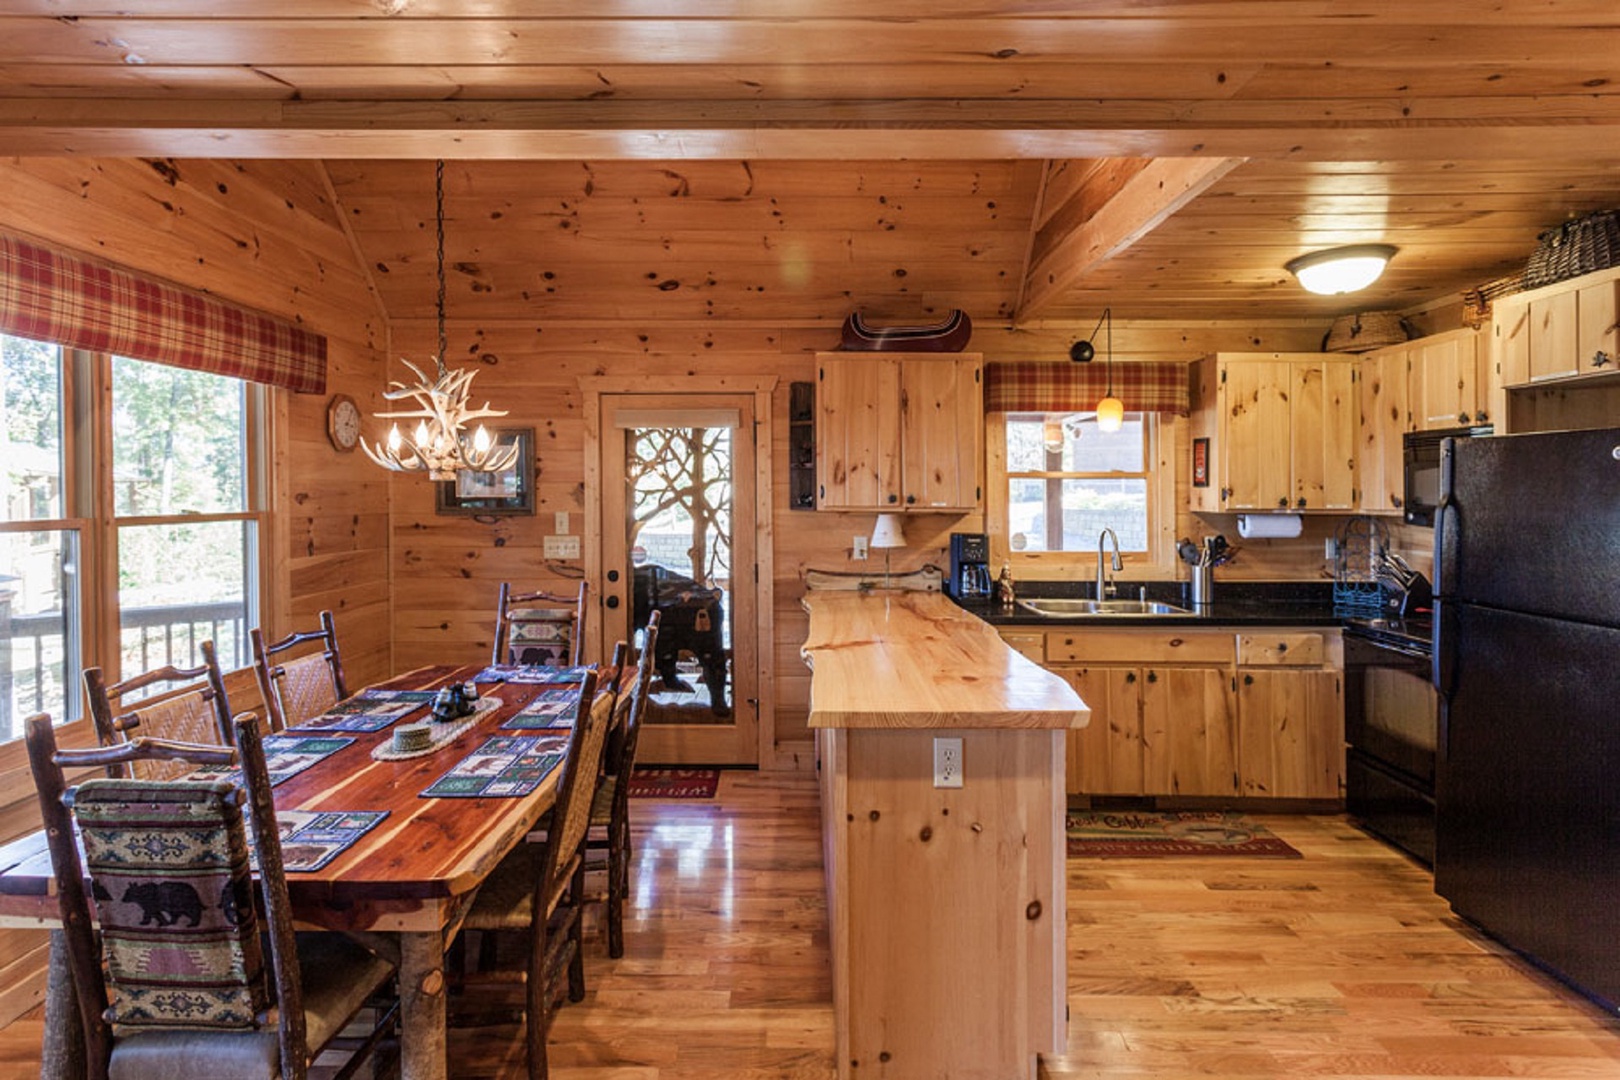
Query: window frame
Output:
(1157,563)
(90,508)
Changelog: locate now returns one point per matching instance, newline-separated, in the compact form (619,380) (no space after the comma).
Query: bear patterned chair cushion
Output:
(540,636)
(168,864)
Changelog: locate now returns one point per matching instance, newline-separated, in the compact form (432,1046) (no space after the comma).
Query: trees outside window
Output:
(129,557)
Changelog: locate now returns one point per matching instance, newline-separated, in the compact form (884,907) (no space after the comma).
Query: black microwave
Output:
(1422,469)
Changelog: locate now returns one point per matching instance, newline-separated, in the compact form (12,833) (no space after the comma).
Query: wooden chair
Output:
(538,890)
(607,845)
(540,627)
(302,687)
(174,985)
(188,705)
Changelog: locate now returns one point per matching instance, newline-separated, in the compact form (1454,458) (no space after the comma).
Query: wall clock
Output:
(343,421)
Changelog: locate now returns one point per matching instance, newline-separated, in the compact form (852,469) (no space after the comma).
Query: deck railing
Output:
(34,675)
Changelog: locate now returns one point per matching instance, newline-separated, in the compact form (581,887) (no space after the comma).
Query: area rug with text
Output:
(674,783)
(1139,834)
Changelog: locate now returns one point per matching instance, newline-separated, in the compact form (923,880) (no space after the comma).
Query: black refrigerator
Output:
(1527,663)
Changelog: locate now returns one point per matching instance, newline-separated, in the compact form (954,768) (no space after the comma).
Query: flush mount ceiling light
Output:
(1341,269)
(440,446)
(1110,410)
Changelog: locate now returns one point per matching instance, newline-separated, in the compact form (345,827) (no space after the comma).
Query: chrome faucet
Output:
(1105,588)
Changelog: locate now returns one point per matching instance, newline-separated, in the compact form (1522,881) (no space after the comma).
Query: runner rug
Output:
(1147,834)
(674,783)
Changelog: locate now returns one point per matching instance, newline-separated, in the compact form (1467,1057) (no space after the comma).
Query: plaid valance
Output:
(50,296)
(1036,386)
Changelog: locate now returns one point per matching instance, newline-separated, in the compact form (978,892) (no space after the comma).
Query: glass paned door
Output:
(678,539)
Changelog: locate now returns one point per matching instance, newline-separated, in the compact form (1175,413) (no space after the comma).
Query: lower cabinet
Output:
(1211,713)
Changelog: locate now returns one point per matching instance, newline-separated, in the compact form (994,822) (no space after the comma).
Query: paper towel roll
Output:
(1269,526)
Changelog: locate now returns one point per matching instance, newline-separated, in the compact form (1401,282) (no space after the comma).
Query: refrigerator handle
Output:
(1445,528)
(1443,671)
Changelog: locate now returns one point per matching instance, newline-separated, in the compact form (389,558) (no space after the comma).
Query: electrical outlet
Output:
(560,547)
(948,762)
(857,548)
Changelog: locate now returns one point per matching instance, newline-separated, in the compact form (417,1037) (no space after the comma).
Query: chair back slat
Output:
(190,706)
(571,817)
(629,708)
(540,627)
(301,687)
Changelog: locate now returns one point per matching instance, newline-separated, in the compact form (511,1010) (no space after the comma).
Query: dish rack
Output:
(1357,592)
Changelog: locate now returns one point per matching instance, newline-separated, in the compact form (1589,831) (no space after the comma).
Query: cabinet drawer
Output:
(1031,644)
(1140,646)
(1279,650)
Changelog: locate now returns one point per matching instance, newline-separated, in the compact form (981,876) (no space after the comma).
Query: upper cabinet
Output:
(1250,405)
(1450,384)
(900,431)
(1563,330)
(1386,416)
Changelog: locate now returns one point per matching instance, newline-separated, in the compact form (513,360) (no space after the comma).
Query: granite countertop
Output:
(1238,603)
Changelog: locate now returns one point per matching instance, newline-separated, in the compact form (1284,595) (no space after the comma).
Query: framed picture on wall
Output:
(1200,477)
(509,491)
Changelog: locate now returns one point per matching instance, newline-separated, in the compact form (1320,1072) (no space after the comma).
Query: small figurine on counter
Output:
(1004,595)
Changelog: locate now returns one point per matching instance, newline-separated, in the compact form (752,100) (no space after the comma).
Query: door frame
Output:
(595,389)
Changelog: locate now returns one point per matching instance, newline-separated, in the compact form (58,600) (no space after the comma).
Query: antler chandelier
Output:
(441,445)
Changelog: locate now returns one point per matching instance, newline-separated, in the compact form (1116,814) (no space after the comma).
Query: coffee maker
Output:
(970,567)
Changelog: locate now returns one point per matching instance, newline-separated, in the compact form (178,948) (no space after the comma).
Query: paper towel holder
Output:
(1269,526)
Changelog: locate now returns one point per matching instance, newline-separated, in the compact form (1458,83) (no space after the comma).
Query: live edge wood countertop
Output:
(898,659)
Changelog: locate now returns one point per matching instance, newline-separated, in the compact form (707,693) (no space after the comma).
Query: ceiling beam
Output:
(888,130)
(1117,205)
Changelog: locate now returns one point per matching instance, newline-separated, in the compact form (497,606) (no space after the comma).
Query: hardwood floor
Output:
(1342,964)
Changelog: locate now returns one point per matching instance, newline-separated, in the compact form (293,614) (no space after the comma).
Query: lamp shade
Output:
(1110,414)
(887,533)
(1342,269)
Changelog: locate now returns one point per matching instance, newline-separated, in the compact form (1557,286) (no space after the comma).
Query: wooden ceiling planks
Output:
(666,159)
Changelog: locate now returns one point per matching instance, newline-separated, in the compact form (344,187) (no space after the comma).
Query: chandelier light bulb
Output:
(394,438)
(481,440)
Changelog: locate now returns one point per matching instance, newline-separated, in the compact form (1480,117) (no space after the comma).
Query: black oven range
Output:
(1392,727)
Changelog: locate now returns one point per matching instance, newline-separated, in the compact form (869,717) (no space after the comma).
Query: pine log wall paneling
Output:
(447,569)
(265,235)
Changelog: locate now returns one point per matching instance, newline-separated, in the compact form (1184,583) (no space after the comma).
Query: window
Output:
(1068,480)
(131,564)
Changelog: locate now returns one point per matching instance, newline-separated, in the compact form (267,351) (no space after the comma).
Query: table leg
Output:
(62,1049)
(422,1006)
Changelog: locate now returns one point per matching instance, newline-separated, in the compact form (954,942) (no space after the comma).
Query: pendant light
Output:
(1341,269)
(440,446)
(1110,410)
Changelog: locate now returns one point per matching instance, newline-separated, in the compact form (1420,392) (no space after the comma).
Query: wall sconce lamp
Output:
(1341,269)
(1110,410)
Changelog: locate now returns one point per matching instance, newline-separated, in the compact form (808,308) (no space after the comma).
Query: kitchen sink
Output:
(1069,609)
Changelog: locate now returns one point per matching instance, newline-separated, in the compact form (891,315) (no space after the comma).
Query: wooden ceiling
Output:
(664,159)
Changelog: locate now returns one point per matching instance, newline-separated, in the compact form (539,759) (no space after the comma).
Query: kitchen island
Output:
(946,903)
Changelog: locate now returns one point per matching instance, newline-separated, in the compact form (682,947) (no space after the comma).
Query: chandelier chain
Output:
(438,217)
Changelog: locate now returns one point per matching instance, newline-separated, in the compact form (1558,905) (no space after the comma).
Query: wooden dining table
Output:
(403,887)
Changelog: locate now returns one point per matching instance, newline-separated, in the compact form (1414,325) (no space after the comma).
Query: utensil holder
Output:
(1203,585)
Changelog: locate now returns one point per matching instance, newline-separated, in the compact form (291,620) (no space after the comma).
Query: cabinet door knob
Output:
(612,601)
(1300,503)
(910,499)
(1282,503)
(1153,676)
(1462,418)
(1248,680)
(894,498)
(1130,676)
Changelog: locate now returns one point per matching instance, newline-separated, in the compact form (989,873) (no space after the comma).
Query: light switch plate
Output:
(561,547)
(857,548)
(561,522)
